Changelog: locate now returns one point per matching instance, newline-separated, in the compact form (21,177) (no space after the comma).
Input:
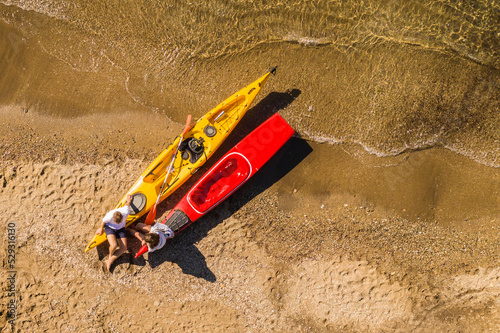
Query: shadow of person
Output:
(185,254)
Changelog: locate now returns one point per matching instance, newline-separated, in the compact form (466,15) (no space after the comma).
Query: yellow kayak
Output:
(199,143)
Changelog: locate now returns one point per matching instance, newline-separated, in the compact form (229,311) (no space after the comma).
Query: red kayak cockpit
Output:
(225,178)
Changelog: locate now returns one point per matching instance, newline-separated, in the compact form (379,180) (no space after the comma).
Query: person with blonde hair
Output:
(113,225)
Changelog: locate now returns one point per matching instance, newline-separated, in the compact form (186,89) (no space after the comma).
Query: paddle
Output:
(142,250)
(152,213)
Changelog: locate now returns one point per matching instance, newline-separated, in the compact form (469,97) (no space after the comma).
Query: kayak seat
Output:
(192,149)
(138,202)
(227,176)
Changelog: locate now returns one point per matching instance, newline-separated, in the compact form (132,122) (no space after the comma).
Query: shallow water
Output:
(392,76)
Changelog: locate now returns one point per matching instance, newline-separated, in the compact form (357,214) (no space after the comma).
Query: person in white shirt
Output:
(113,225)
(154,235)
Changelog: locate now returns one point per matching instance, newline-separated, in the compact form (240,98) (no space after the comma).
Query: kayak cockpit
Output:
(225,178)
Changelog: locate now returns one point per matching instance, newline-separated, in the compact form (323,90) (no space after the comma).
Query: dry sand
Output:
(340,241)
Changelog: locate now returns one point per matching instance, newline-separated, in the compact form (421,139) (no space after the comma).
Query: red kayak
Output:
(229,173)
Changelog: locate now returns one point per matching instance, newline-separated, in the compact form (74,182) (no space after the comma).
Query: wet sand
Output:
(325,238)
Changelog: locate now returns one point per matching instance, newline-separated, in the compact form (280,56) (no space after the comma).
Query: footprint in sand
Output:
(340,293)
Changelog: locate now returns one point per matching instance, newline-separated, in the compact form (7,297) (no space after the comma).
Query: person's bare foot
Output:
(108,265)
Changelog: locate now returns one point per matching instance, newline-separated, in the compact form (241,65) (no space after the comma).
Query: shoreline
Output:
(431,184)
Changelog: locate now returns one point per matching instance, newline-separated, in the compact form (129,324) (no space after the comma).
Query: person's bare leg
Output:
(123,247)
(113,245)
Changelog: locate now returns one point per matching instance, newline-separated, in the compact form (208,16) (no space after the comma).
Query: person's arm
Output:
(136,233)
(125,210)
(101,228)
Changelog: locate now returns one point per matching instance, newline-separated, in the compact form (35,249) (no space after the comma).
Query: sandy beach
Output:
(362,244)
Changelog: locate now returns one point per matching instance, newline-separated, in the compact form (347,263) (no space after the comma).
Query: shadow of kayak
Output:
(181,249)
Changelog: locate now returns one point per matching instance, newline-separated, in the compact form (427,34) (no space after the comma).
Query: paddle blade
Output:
(151,215)
(142,250)
(186,128)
